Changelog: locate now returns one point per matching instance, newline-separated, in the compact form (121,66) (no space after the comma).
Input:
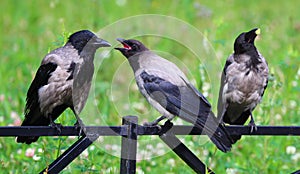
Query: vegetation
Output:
(30,29)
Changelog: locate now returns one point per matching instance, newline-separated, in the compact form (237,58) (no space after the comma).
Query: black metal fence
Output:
(129,131)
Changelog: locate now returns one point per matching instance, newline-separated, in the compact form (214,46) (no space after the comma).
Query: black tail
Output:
(217,133)
(27,140)
(32,120)
(240,121)
(222,140)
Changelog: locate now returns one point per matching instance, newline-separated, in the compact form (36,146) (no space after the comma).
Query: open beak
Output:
(125,45)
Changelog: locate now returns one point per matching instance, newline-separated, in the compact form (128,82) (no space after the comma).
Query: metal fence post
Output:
(129,146)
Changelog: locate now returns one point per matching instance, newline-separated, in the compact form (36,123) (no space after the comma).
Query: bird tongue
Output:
(126,46)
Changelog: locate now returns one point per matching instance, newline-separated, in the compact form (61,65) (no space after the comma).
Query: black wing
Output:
(32,110)
(189,104)
(178,100)
(33,115)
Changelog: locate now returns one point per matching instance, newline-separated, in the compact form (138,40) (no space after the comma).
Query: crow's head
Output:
(131,47)
(245,41)
(86,39)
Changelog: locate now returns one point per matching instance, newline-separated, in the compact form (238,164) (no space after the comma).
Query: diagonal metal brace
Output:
(182,151)
(69,155)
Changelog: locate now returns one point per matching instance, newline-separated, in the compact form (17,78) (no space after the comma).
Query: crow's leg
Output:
(78,126)
(57,126)
(155,122)
(252,124)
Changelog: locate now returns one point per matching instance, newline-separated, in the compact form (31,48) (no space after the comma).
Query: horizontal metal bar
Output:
(65,131)
(143,130)
(232,130)
(265,130)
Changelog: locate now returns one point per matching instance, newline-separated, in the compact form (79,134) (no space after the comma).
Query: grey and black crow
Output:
(243,82)
(168,90)
(62,81)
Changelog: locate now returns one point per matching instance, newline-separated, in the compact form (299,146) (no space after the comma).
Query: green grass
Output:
(29,29)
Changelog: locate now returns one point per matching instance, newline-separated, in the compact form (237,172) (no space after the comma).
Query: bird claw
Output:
(252,124)
(56,126)
(253,127)
(153,123)
(78,128)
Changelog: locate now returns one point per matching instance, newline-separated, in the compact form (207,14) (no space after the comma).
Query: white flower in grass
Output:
(231,171)
(278,117)
(296,157)
(159,145)
(29,152)
(293,104)
(36,158)
(290,150)
(153,163)
(107,147)
(40,150)
(205,94)
(14,115)
(149,147)
(92,147)
(205,152)
(205,87)
(171,162)
(115,147)
(84,154)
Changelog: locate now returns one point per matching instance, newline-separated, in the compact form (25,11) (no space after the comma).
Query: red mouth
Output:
(126,46)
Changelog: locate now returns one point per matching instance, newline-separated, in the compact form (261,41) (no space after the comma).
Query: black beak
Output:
(123,42)
(251,35)
(101,43)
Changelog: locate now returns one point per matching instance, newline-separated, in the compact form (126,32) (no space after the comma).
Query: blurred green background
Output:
(30,29)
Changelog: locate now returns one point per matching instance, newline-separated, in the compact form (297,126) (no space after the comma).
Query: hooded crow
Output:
(243,82)
(62,81)
(168,90)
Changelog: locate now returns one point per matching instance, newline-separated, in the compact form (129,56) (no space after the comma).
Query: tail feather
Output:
(240,121)
(235,138)
(222,140)
(27,140)
(217,133)
(34,120)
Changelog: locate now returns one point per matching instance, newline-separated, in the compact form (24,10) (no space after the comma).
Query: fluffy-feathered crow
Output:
(243,82)
(168,90)
(62,81)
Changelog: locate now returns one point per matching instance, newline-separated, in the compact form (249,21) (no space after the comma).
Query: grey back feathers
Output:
(51,91)
(168,90)
(243,81)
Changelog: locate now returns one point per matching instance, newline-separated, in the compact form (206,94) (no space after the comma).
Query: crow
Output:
(243,82)
(168,90)
(62,81)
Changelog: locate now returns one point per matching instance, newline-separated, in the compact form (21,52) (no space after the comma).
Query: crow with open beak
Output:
(62,81)
(168,90)
(243,82)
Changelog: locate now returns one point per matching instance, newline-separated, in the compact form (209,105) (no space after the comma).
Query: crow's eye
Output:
(134,47)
